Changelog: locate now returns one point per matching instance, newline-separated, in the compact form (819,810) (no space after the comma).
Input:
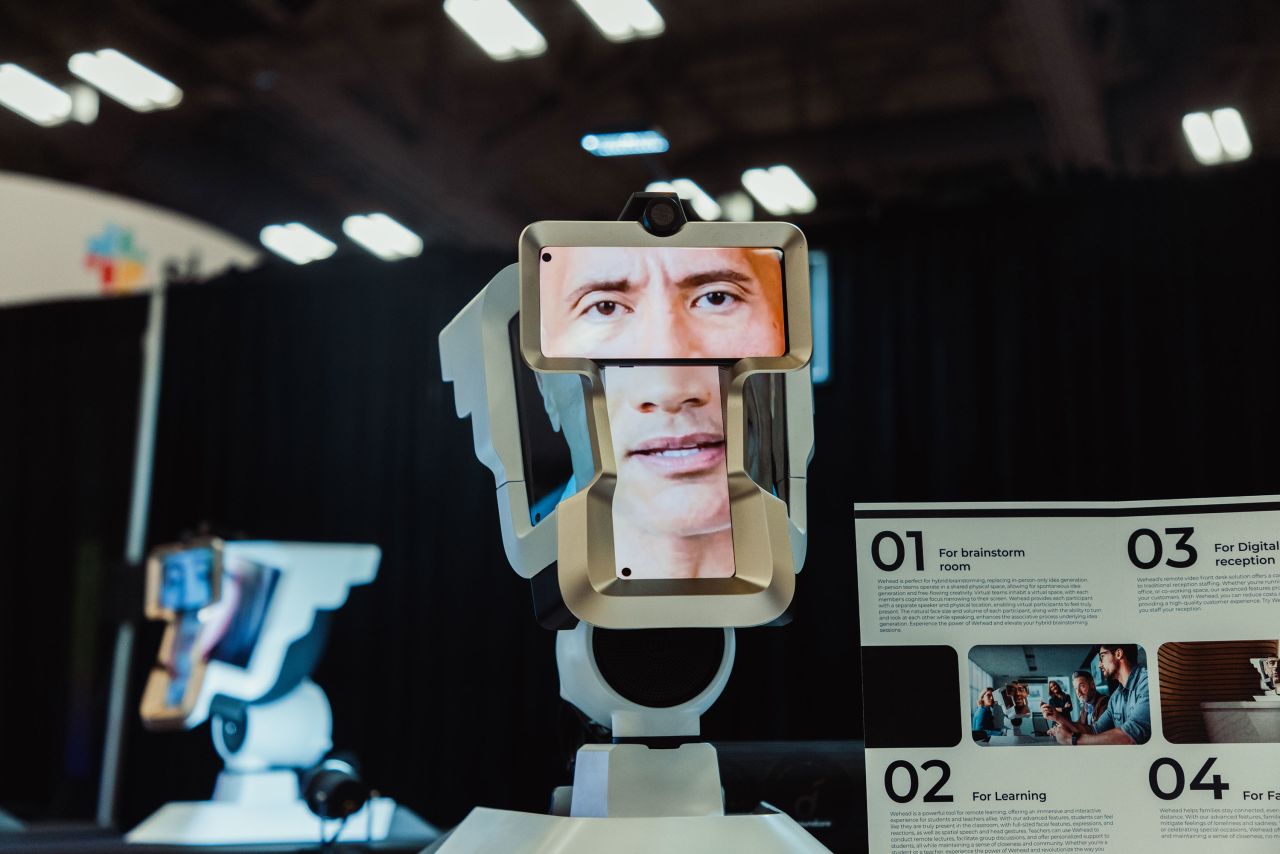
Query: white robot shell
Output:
(476,356)
(584,685)
(314,577)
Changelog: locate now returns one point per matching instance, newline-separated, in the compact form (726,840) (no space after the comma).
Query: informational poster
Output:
(1072,677)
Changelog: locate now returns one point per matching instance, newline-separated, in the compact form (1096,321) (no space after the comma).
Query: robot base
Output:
(630,798)
(259,808)
(489,830)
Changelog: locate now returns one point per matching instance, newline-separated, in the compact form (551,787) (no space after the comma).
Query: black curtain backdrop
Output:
(1105,340)
(69,376)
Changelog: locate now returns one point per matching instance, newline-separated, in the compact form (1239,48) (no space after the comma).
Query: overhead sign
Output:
(60,241)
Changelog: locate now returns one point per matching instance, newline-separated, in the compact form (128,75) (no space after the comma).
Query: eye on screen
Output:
(632,302)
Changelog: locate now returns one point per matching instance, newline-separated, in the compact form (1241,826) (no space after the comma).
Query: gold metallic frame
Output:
(764,582)
(156,713)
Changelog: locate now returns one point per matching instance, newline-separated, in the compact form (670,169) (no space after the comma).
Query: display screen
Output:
(671,502)
(186,581)
(226,629)
(232,628)
(631,302)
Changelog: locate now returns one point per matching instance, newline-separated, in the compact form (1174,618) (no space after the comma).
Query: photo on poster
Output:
(906,693)
(1059,694)
(671,514)
(1220,692)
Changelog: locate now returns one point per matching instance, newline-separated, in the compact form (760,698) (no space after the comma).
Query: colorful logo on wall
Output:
(119,262)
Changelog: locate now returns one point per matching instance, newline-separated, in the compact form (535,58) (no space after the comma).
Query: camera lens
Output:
(661,213)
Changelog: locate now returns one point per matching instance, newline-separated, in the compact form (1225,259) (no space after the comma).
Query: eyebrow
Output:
(625,285)
(616,285)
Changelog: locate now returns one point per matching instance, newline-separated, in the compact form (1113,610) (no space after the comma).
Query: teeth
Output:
(678,452)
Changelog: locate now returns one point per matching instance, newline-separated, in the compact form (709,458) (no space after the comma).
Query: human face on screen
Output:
(671,502)
(629,302)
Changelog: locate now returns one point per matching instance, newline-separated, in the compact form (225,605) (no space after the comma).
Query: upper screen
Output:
(643,302)
(186,581)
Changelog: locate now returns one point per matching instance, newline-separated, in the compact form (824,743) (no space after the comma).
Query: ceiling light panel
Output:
(703,205)
(779,190)
(127,81)
(32,97)
(1229,125)
(623,20)
(624,144)
(1203,139)
(497,27)
(295,242)
(383,236)
(737,206)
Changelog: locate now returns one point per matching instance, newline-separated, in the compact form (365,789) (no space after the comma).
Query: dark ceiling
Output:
(315,109)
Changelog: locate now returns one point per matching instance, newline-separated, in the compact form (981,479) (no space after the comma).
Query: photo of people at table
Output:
(1059,695)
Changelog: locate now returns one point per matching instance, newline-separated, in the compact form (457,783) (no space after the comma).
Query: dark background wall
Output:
(68,413)
(1102,340)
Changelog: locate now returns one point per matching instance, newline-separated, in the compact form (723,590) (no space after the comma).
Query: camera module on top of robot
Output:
(661,214)
(663,217)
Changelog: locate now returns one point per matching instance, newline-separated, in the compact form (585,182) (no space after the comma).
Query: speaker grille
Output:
(658,668)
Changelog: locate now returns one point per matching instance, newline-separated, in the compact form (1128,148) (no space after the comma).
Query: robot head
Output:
(242,619)
(672,369)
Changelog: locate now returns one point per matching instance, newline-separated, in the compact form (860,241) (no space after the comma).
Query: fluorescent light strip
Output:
(497,27)
(1232,134)
(761,185)
(737,206)
(84,102)
(703,205)
(295,242)
(1203,139)
(32,97)
(779,190)
(383,236)
(623,144)
(623,20)
(129,82)
(797,192)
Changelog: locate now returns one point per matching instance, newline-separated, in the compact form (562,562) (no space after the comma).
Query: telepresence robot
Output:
(669,510)
(246,625)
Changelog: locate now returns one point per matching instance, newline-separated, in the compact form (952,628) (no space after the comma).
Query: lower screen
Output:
(671,504)
(234,626)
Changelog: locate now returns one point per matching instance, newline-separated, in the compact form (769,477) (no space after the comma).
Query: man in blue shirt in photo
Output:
(1092,704)
(1127,719)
